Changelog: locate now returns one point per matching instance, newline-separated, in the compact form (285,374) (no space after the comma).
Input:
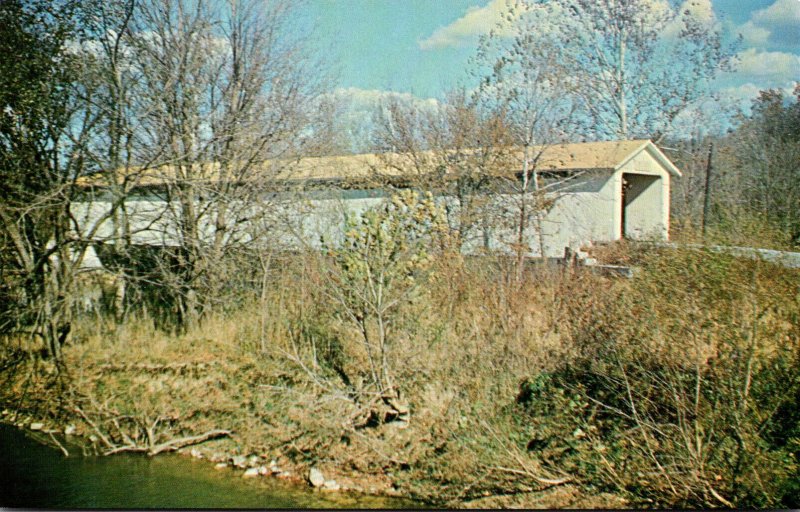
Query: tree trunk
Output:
(707,190)
(522,223)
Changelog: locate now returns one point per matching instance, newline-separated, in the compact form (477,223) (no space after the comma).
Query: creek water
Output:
(33,475)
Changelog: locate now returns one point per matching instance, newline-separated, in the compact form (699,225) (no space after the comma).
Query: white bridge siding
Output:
(586,213)
(592,207)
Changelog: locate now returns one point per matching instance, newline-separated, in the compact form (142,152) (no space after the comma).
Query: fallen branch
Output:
(125,448)
(483,495)
(546,481)
(187,441)
(720,498)
(525,471)
(60,446)
(177,368)
(97,430)
(171,445)
(369,445)
(462,496)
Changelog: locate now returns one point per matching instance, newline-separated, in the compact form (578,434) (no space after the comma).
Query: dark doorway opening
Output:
(641,205)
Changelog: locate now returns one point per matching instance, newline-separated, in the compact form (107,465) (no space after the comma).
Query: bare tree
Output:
(228,95)
(767,150)
(751,184)
(110,89)
(48,125)
(451,151)
(634,64)
(522,80)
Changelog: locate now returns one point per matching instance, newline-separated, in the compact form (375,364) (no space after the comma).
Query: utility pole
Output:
(707,194)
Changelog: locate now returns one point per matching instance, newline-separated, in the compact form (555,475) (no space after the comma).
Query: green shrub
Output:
(378,268)
(684,387)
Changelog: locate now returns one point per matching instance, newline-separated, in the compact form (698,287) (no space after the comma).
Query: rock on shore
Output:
(315,477)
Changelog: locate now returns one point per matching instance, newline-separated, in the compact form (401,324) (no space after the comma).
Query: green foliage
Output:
(389,247)
(35,78)
(385,253)
(384,256)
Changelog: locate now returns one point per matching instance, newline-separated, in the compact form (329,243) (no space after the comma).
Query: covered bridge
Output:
(597,192)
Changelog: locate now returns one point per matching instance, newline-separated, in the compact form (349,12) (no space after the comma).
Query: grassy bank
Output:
(679,387)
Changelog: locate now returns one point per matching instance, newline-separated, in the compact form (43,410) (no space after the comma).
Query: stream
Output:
(33,475)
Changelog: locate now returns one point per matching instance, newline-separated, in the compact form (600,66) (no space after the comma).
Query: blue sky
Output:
(422,47)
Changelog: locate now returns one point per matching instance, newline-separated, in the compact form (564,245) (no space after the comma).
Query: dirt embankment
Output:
(213,393)
(198,407)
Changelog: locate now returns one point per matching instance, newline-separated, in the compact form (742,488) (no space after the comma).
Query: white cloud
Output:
(758,70)
(480,20)
(782,12)
(357,110)
(753,35)
(700,10)
(768,68)
(744,92)
(771,60)
(476,21)
(366,99)
(778,24)
(743,95)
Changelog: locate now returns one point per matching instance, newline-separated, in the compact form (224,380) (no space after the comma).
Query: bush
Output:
(684,387)
(384,258)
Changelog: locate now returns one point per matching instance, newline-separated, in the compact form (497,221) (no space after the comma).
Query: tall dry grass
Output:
(676,388)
